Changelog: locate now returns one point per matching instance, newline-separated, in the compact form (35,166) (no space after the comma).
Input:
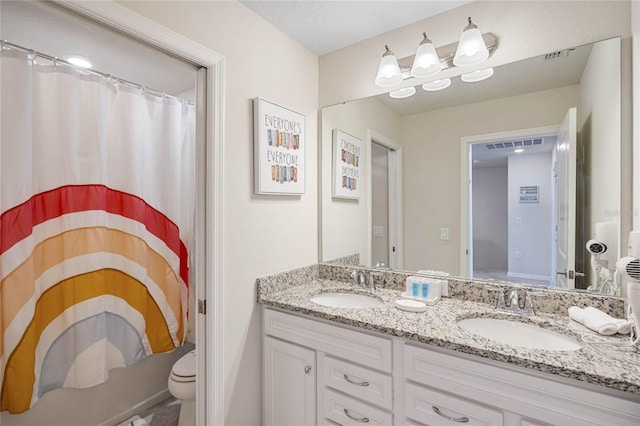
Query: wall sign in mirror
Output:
(347,152)
(278,149)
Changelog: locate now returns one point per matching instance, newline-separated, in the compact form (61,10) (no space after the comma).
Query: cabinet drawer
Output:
(372,351)
(368,385)
(435,408)
(348,411)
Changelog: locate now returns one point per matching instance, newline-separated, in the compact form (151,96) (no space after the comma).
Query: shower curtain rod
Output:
(7,45)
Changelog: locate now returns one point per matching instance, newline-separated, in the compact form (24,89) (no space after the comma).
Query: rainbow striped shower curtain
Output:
(96,220)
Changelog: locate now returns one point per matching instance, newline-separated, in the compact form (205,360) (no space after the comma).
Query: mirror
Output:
(422,203)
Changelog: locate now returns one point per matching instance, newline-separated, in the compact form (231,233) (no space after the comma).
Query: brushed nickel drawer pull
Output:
(353,382)
(356,419)
(453,419)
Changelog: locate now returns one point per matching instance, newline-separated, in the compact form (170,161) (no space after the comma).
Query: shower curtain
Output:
(96,218)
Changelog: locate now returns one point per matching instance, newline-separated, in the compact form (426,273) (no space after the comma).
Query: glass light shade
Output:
(426,62)
(434,86)
(389,71)
(471,48)
(403,93)
(479,75)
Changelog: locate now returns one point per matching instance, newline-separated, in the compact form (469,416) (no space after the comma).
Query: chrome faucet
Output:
(359,278)
(528,309)
(514,306)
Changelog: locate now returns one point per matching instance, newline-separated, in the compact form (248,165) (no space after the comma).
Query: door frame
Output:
(395,197)
(466,228)
(209,186)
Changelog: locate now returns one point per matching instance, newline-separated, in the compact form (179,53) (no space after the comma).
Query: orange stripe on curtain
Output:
(19,286)
(20,376)
(18,222)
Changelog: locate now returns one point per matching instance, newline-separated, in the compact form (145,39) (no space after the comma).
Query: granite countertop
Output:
(617,368)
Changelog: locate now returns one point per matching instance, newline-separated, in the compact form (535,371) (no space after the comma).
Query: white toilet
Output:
(182,385)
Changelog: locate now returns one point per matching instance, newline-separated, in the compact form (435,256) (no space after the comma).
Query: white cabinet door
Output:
(289,384)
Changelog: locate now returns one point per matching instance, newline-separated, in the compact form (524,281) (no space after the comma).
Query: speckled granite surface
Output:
(604,365)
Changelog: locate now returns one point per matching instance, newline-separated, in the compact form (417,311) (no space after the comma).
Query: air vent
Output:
(555,55)
(515,144)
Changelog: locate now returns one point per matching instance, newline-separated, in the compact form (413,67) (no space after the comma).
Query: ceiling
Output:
(328,25)
(50,30)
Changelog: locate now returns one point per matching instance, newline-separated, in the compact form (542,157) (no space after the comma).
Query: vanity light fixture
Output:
(434,86)
(479,75)
(471,48)
(405,92)
(426,62)
(389,73)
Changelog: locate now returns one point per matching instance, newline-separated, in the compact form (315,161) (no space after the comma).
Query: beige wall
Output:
(635,22)
(431,170)
(344,222)
(262,234)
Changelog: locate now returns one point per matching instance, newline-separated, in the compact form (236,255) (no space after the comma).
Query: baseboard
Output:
(148,403)
(528,276)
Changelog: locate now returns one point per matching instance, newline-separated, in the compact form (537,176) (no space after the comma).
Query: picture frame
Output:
(347,160)
(279,149)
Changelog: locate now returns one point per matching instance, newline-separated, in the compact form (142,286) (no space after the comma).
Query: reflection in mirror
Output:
(444,190)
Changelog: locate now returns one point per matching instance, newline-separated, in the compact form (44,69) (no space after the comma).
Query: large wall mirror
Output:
(504,179)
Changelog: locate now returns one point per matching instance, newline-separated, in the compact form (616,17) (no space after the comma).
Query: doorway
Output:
(385,201)
(507,206)
(208,188)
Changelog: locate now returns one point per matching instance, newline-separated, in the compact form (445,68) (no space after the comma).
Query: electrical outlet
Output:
(444,233)
(378,231)
(518,255)
(518,220)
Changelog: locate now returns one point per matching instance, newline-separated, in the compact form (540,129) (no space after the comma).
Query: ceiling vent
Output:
(515,144)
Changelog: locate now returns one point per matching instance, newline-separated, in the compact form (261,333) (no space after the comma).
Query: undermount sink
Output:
(515,333)
(346,300)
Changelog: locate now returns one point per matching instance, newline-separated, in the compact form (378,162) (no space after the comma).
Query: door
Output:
(565,185)
(380,205)
(289,384)
(385,200)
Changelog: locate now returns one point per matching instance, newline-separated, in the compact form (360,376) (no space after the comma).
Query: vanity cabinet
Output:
(492,394)
(290,382)
(358,377)
(352,381)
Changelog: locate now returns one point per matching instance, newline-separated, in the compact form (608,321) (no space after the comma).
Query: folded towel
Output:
(624,326)
(598,321)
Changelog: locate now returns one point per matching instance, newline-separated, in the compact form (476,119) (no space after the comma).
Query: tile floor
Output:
(165,413)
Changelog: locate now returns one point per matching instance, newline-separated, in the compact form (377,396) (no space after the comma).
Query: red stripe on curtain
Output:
(18,222)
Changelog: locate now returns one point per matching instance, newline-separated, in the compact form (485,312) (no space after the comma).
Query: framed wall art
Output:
(279,149)
(347,156)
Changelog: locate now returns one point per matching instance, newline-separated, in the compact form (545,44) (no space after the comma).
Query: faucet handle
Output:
(528,308)
(501,303)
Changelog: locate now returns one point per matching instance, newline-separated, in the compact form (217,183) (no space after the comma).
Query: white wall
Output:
(262,234)
(599,130)
(490,218)
(531,234)
(344,222)
(431,151)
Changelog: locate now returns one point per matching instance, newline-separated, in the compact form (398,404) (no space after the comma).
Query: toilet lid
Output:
(185,367)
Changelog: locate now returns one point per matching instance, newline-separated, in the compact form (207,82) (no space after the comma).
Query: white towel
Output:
(598,321)
(623,325)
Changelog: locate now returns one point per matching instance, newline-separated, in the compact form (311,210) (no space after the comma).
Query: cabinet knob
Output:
(307,369)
